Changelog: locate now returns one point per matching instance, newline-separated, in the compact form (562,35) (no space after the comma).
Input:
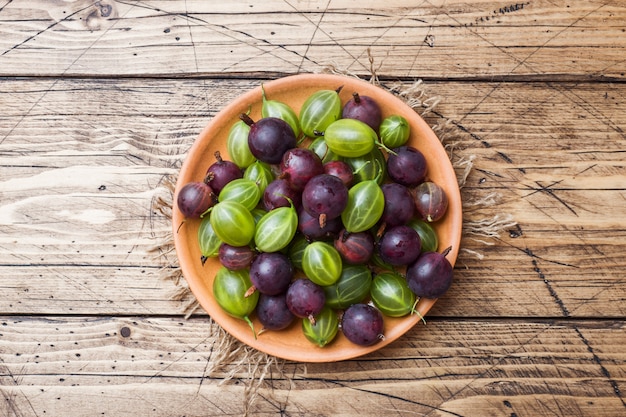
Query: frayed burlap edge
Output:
(232,360)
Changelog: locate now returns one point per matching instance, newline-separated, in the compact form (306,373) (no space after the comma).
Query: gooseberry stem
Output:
(383,146)
(246,119)
(414,310)
(247,319)
(250,291)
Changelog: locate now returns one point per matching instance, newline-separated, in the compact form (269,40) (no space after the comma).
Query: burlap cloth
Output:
(232,360)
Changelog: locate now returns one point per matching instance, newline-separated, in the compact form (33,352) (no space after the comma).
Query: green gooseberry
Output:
(428,235)
(321,263)
(275,108)
(241,190)
(207,239)
(350,138)
(391,294)
(323,329)
(371,166)
(230,289)
(237,145)
(318,145)
(394,131)
(276,229)
(296,250)
(232,222)
(365,206)
(261,173)
(319,110)
(352,287)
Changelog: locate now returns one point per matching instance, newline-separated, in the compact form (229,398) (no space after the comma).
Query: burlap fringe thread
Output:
(232,360)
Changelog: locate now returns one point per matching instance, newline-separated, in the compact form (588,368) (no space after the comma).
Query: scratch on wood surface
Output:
(549,286)
(5,5)
(53,24)
(65,71)
(10,396)
(594,112)
(549,191)
(317,27)
(603,369)
(524,60)
(234,34)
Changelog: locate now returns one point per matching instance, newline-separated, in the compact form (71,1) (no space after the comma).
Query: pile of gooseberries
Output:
(323,217)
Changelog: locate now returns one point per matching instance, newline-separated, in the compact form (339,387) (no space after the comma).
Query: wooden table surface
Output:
(101,100)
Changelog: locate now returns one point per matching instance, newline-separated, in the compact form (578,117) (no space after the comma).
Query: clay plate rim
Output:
(290,343)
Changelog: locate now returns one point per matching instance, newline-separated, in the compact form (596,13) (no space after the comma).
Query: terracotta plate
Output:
(291,343)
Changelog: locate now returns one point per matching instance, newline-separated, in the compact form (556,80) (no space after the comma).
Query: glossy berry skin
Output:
(391,294)
(430,275)
(221,172)
(325,195)
(355,248)
(299,165)
(194,198)
(279,193)
(400,245)
(270,138)
(431,201)
(362,324)
(366,203)
(272,312)
(340,169)
(235,257)
(305,299)
(399,204)
(363,108)
(310,227)
(407,166)
(394,131)
(271,273)
(323,330)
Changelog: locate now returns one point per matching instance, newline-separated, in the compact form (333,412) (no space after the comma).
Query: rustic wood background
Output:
(101,100)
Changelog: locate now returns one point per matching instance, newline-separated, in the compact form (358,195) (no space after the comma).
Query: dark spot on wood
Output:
(516,232)
(505,157)
(167,30)
(105,10)
(102,187)
(125,331)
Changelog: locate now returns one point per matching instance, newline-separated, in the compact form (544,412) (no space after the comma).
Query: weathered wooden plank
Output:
(433,39)
(164,366)
(83,161)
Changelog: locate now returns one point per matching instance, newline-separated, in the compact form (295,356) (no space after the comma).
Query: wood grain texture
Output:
(429,39)
(159,366)
(100,102)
